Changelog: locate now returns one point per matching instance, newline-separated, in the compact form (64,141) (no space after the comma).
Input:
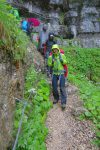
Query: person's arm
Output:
(63,59)
(50,61)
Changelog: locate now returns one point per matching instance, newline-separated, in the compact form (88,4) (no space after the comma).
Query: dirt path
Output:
(66,132)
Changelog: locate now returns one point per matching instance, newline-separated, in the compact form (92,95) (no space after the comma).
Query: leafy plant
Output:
(12,39)
(83,64)
(34,132)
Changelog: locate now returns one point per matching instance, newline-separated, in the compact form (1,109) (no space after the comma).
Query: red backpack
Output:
(65,66)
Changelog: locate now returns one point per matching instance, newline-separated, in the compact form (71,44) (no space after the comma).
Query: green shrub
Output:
(85,61)
(83,65)
(33,133)
(12,39)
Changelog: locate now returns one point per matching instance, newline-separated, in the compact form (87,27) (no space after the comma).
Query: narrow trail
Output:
(66,132)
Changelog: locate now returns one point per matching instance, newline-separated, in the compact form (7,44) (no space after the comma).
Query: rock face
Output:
(78,19)
(83,19)
(11,86)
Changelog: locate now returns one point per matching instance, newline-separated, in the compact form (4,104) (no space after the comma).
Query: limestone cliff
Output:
(69,18)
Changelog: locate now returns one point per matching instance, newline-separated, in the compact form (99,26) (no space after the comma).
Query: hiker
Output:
(29,29)
(49,44)
(43,37)
(56,61)
(15,12)
(26,27)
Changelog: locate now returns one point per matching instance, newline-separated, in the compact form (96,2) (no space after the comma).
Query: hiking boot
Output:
(63,106)
(55,101)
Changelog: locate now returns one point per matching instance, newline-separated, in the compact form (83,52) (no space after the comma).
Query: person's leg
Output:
(55,88)
(63,90)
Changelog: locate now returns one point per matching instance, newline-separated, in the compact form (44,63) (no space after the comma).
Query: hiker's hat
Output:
(55,46)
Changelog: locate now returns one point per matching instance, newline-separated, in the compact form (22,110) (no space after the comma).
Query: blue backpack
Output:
(24,25)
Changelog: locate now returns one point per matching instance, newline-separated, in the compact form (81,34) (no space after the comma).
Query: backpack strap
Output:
(52,59)
(65,66)
(60,57)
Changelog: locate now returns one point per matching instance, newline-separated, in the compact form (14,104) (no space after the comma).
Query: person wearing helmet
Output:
(43,37)
(49,44)
(15,12)
(56,61)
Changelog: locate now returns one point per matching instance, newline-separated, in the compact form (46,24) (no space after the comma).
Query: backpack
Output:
(24,25)
(65,66)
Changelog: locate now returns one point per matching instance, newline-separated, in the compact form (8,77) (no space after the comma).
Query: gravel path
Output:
(66,132)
